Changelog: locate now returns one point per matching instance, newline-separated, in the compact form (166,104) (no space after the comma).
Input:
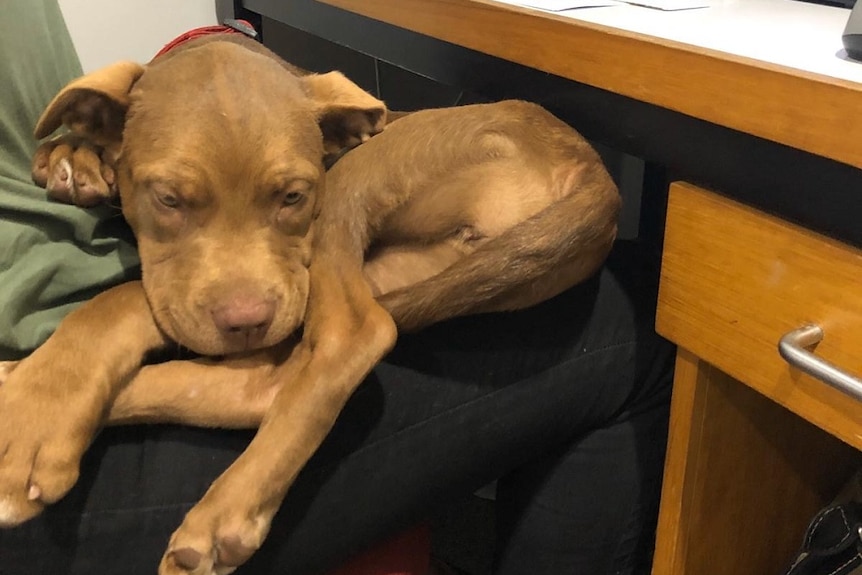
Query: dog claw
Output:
(34,493)
(108,175)
(6,368)
(64,170)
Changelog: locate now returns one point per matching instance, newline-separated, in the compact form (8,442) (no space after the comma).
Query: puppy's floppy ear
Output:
(93,105)
(348,115)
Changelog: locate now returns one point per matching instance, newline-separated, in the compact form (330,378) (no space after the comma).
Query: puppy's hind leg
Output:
(74,170)
(558,247)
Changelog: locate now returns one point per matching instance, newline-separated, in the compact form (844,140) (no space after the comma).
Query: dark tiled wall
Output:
(399,88)
(406,91)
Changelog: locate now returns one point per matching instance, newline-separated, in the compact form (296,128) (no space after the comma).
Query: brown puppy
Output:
(217,152)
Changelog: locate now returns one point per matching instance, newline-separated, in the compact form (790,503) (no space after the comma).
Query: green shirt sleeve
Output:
(52,256)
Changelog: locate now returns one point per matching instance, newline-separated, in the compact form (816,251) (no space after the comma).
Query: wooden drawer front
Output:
(734,280)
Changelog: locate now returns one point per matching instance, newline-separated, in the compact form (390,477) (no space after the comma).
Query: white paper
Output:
(670,5)
(560,5)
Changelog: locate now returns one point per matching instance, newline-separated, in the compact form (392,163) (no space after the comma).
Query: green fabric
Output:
(52,256)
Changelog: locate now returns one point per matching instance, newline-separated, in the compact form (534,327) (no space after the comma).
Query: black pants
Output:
(566,403)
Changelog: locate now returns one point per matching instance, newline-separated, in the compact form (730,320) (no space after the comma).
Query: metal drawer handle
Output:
(792,349)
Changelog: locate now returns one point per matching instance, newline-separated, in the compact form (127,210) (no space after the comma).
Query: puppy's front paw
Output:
(218,535)
(44,430)
(75,171)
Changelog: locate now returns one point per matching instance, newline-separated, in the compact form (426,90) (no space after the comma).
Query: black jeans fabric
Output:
(565,403)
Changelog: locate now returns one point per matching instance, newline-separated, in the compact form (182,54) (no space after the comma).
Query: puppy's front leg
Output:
(232,393)
(205,392)
(346,334)
(54,402)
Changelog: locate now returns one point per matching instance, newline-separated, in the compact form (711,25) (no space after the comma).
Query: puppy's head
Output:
(220,175)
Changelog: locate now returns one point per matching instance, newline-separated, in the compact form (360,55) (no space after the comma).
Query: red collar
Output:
(230,27)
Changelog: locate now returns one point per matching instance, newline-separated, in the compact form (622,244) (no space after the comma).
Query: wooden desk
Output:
(803,109)
(755,447)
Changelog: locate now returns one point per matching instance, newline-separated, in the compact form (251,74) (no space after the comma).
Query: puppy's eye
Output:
(293,193)
(168,200)
(292,198)
(164,196)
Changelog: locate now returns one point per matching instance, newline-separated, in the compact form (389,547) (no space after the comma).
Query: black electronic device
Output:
(852,36)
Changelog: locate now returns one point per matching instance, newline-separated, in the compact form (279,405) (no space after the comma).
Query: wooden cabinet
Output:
(756,446)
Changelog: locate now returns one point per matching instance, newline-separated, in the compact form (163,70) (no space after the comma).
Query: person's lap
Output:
(568,398)
(566,401)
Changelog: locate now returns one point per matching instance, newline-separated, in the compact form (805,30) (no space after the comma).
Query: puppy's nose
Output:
(247,317)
